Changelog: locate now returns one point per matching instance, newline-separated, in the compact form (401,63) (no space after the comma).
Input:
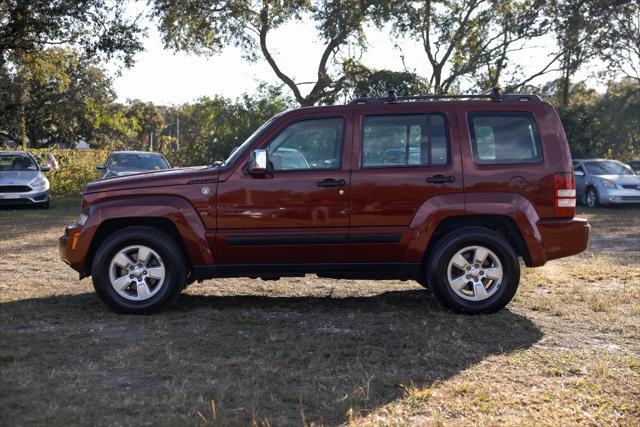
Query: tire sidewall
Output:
(164,247)
(469,237)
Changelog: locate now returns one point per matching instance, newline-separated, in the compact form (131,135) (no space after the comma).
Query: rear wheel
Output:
(473,270)
(138,270)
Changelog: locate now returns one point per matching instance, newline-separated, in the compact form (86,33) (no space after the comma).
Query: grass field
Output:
(309,351)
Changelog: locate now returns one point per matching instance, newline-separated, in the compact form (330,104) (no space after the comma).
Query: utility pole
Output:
(178,131)
(151,136)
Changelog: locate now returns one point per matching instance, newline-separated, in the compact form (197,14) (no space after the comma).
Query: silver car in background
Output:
(121,163)
(605,182)
(22,181)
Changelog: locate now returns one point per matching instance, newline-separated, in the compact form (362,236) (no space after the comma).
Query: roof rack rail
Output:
(495,95)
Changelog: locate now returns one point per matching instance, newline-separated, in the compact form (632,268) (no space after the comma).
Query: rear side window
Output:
(504,137)
(404,140)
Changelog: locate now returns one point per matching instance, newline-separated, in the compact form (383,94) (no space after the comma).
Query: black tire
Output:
(448,246)
(172,258)
(591,198)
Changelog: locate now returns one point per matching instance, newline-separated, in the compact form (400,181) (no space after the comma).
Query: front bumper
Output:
(25,198)
(615,196)
(71,250)
(563,237)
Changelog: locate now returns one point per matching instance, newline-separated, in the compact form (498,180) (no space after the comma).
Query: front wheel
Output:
(473,270)
(138,270)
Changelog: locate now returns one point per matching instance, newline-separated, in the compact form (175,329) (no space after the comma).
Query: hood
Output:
(152,179)
(17,177)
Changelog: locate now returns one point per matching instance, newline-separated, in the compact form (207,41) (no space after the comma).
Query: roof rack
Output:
(495,95)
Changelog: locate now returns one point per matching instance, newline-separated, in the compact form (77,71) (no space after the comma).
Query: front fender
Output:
(174,208)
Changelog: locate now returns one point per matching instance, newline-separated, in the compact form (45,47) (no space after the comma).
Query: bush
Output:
(77,167)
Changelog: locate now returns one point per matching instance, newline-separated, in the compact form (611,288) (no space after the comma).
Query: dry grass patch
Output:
(318,351)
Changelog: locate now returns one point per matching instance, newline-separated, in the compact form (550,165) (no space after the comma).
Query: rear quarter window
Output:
(504,137)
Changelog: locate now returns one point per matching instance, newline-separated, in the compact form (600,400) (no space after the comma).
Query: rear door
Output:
(402,157)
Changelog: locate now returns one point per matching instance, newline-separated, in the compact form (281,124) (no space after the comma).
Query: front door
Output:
(299,212)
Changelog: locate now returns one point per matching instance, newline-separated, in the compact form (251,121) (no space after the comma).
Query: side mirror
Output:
(258,162)
(101,166)
(45,168)
(578,173)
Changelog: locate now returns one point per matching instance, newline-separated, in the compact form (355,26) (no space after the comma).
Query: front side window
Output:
(504,137)
(404,140)
(309,144)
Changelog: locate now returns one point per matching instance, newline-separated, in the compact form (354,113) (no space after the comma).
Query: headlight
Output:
(82,218)
(39,181)
(607,184)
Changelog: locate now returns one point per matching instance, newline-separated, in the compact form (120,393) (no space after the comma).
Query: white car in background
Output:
(22,181)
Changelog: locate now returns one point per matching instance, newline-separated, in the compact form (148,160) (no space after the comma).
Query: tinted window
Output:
(608,167)
(17,162)
(504,137)
(138,162)
(310,144)
(404,140)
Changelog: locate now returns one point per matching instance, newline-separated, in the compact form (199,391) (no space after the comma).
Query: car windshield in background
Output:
(137,162)
(17,162)
(608,167)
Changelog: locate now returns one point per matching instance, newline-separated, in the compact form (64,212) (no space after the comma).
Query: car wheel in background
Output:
(138,270)
(591,197)
(473,270)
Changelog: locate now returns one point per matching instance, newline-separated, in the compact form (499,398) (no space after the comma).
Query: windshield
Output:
(137,162)
(608,167)
(237,152)
(17,162)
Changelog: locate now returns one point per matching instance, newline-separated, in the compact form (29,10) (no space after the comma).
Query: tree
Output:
(467,39)
(364,82)
(49,96)
(93,26)
(207,26)
(620,44)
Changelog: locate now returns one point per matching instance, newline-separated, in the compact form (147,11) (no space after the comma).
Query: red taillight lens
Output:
(564,194)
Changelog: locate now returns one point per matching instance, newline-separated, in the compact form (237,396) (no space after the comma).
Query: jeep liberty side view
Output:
(448,191)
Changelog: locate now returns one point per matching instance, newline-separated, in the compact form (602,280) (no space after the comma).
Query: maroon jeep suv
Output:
(447,191)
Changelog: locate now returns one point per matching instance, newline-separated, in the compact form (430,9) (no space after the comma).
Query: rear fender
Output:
(437,209)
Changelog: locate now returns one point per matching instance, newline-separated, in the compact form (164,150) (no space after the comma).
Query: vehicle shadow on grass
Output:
(281,359)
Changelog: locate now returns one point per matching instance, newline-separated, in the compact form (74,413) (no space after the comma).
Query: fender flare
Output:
(167,207)
(438,208)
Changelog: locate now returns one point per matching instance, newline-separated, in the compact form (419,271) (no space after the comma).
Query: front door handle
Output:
(441,179)
(330,182)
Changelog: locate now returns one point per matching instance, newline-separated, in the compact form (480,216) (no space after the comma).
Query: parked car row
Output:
(605,182)
(599,182)
(22,181)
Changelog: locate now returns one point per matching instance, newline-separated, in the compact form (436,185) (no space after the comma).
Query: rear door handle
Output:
(330,182)
(441,179)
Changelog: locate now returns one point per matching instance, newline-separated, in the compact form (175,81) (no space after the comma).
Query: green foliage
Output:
(77,167)
(97,27)
(600,125)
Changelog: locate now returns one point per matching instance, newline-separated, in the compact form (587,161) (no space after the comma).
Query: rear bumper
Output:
(563,237)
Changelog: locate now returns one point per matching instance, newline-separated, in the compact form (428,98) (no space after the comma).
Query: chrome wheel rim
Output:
(475,273)
(591,198)
(137,272)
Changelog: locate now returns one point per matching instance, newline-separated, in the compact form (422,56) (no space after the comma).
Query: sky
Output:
(165,77)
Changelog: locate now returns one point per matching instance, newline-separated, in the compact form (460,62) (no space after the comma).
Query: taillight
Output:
(564,192)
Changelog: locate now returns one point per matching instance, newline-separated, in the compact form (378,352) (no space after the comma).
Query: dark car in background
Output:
(22,181)
(605,182)
(121,163)
(635,165)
